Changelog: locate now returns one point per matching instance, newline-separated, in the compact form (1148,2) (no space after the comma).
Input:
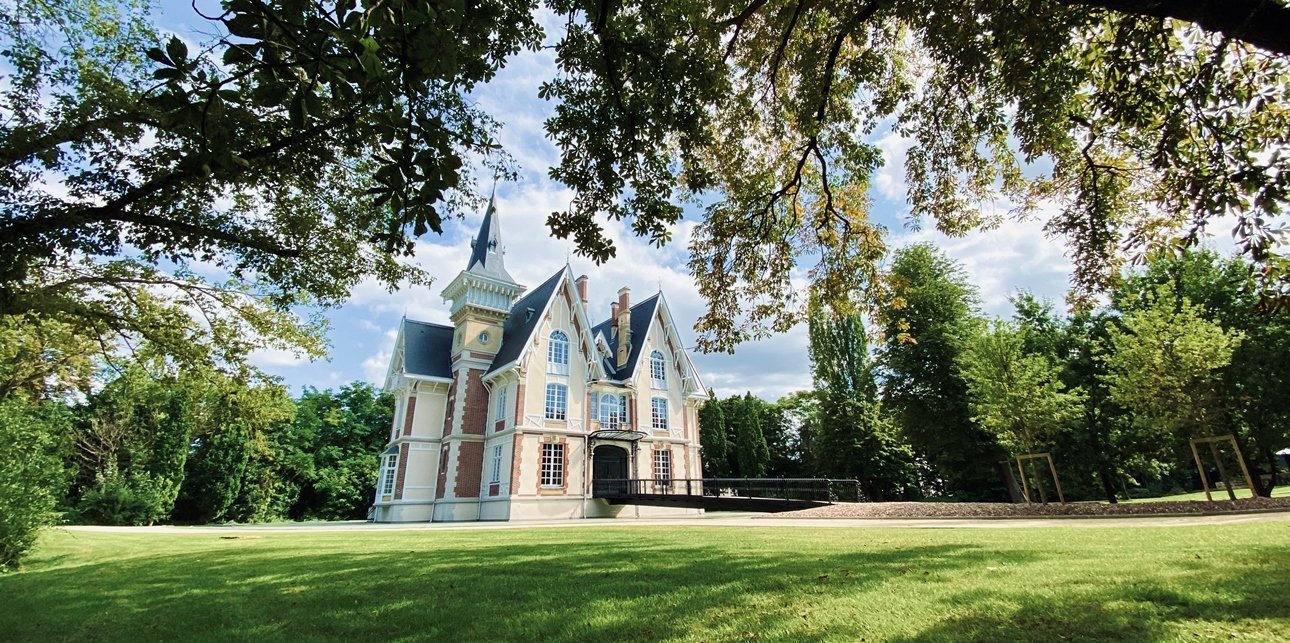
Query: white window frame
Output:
(497,465)
(552,472)
(388,473)
(612,410)
(663,466)
(658,413)
(657,370)
(557,403)
(557,353)
(500,413)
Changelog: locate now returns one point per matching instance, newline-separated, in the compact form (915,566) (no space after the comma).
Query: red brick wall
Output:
(470,469)
(402,470)
(474,420)
(407,415)
(519,403)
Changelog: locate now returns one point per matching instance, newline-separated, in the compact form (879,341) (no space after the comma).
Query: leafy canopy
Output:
(193,196)
(1133,122)
(304,145)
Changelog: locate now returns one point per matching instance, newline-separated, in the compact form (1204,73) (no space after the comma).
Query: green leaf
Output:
(177,49)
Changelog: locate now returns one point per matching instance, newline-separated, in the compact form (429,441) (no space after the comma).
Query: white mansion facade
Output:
(514,410)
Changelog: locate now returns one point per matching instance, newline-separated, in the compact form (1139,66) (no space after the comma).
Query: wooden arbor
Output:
(1222,471)
(1025,486)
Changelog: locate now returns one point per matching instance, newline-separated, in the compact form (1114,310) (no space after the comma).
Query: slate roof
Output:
(427,349)
(519,326)
(642,314)
(486,253)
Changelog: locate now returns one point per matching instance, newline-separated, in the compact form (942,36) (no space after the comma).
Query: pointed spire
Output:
(486,249)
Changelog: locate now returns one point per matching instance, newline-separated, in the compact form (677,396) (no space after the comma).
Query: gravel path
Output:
(1005,510)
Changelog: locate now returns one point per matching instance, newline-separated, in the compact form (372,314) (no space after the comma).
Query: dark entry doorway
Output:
(609,471)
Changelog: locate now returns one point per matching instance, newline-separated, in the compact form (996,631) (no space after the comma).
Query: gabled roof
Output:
(521,323)
(427,349)
(642,315)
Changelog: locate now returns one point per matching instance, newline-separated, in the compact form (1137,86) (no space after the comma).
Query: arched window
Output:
(657,370)
(557,402)
(557,353)
(612,411)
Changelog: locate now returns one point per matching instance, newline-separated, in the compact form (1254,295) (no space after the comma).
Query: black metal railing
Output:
(803,489)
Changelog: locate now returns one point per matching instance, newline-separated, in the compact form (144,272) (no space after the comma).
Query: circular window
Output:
(483,337)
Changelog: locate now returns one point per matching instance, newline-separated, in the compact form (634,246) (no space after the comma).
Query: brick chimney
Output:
(581,284)
(622,313)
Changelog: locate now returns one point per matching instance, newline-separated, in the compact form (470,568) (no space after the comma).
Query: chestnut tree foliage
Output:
(191,196)
(1139,121)
(301,146)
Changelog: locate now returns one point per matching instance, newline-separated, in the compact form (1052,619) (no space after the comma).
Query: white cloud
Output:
(889,180)
(375,366)
(276,357)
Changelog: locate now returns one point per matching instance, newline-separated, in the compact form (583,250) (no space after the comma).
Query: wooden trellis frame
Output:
(1222,471)
(1025,485)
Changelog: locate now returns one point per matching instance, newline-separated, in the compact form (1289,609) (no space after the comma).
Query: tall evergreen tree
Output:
(852,438)
(752,454)
(713,438)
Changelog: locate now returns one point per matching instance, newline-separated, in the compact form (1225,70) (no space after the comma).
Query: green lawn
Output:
(655,583)
(1219,494)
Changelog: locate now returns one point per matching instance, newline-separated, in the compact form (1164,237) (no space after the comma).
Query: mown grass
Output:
(659,583)
(1217,494)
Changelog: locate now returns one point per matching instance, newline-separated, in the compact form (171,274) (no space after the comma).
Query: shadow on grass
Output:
(1213,601)
(593,591)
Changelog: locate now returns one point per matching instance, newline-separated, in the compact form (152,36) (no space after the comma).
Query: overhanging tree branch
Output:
(1262,23)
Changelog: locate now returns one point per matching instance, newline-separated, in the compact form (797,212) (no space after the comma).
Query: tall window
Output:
(500,414)
(663,466)
(552,465)
(557,353)
(658,413)
(557,402)
(657,370)
(497,465)
(613,411)
(387,474)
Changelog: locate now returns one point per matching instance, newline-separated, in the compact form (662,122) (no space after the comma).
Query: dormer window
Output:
(557,353)
(657,371)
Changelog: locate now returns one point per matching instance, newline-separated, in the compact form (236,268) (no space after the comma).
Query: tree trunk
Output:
(1004,470)
(1108,485)
(1256,480)
(1272,470)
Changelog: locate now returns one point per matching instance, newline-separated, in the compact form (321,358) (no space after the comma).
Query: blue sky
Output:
(1013,257)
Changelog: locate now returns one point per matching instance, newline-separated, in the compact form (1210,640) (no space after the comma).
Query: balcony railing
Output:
(788,489)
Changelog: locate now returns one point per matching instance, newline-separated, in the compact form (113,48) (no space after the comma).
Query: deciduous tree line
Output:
(939,400)
(155,444)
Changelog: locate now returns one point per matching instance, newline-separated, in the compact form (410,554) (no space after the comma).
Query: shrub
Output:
(115,500)
(32,476)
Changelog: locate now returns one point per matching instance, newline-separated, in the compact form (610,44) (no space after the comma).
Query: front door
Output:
(609,471)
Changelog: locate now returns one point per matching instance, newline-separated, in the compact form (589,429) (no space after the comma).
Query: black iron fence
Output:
(808,489)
